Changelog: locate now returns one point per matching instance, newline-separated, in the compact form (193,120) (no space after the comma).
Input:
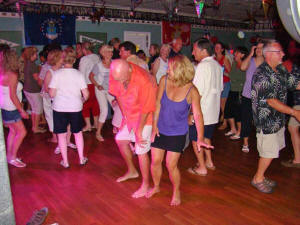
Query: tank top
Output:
(173,116)
(5,101)
(162,70)
(43,92)
(221,62)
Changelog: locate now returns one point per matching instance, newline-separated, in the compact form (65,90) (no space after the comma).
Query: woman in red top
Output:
(225,63)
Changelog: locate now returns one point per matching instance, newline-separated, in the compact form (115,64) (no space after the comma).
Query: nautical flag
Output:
(42,29)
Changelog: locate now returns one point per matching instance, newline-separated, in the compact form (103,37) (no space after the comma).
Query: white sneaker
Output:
(71,145)
(57,150)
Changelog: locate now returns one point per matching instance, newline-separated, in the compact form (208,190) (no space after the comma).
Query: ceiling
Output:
(229,10)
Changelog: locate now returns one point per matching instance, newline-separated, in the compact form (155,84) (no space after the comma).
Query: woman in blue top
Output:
(176,94)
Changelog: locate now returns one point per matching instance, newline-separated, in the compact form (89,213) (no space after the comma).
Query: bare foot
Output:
(141,192)
(152,192)
(222,127)
(128,176)
(86,128)
(176,198)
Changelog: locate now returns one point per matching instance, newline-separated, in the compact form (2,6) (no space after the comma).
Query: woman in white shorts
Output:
(32,88)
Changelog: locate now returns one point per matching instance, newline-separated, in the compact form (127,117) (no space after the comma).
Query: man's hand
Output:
(139,139)
(296,114)
(114,103)
(252,50)
(100,88)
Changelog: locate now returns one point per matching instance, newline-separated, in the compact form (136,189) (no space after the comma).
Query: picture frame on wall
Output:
(142,40)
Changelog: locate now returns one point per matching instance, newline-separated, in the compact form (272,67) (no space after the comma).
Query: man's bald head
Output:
(120,70)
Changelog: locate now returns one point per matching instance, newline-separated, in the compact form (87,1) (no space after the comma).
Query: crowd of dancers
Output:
(160,104)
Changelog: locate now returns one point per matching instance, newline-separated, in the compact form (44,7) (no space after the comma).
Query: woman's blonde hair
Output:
(104,48)
(166,46)
(183,70)
(9,61)
(69,56)
(29,52)
(54,56)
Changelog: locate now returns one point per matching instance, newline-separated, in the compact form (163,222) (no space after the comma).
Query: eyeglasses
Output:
(274,51)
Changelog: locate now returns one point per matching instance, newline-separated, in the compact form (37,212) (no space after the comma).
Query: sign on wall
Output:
(96,38)
(12,38)
(142,40)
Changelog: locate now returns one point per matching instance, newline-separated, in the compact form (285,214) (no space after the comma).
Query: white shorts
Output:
(125,135)
(269,145)
(36,102)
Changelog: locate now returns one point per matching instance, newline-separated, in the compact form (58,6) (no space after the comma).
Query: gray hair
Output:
(268,44)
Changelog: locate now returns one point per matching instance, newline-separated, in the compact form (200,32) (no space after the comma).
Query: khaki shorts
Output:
(293,122)
(269,145)
(125,135)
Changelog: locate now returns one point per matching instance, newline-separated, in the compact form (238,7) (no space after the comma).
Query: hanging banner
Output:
(42,29)
(171,30)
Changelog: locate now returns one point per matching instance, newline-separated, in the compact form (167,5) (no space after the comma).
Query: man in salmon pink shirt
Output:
(135,91)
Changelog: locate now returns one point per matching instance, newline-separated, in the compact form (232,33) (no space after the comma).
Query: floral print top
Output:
(268,84)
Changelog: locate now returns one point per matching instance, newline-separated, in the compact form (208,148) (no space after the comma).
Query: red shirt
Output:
(221,62)
(139,97)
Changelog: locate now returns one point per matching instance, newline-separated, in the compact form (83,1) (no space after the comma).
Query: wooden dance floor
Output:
(89,195)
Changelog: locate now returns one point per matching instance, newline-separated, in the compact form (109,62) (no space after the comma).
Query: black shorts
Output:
(170,143)
(233,106)
(208,131)
(63,119)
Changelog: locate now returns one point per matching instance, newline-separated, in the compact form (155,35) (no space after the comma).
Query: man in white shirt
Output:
(86,65)
(209,82)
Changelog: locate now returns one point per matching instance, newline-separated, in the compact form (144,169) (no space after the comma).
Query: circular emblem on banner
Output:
(51,28)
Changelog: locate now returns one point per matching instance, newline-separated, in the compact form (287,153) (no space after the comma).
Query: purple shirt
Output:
(249,74)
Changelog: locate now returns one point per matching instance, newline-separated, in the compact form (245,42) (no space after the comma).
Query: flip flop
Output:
(193,170)
(229,133)
(210,167)
(262,187)
(38,217)
(290,163)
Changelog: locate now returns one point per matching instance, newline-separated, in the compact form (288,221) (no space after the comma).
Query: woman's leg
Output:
(246,120)
(174,174)
(80,145)
(62,143)
(294,131)
(232,125)
(224,124)
(157,156)
(201,167)
(17,132)
(10,140)
(102,101)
